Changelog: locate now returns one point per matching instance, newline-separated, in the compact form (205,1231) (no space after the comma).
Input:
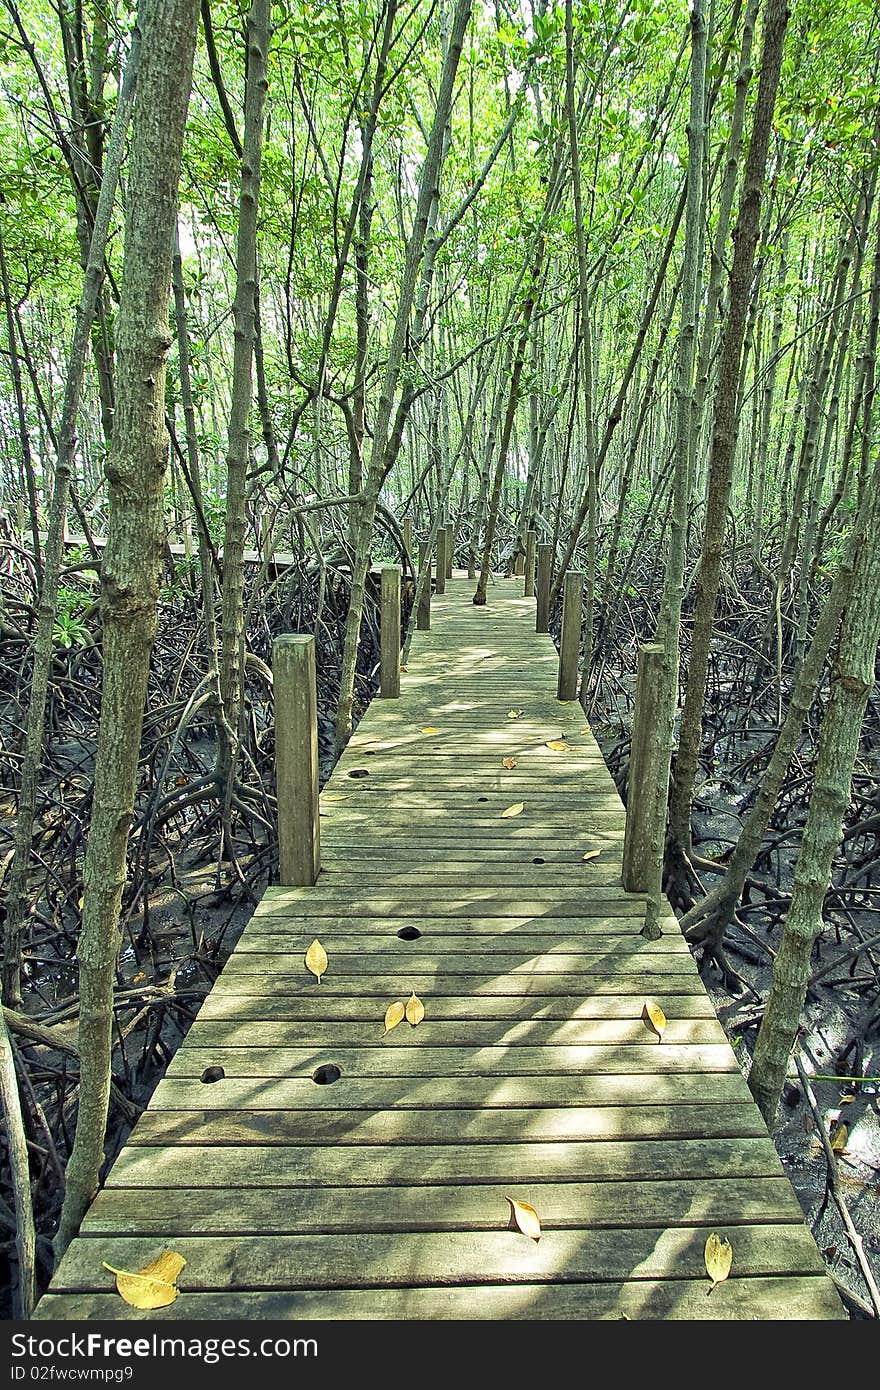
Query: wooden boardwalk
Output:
(384,1194)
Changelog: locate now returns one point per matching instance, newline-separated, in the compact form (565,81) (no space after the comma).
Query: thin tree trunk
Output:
(20,1172)
(724,432)
(669,622)
(16,911)
(244,315)
(852,678)
(132,558)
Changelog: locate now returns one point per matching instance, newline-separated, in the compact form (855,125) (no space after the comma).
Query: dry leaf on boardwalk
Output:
(430,730)
(654,1018)
(508,762)
(526,1218)
(394,1014)
(515,810)
(514,713)
(415,1009)
(592,854)
(719,1257)
(154,1286)
(316,959)
(558,745)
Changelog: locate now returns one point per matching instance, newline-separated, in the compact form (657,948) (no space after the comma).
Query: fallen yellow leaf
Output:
(654,1018)
(526,1218)
(415,1009)
(394,1014)
(592,854)
(316,959)
(719,1257)
(514,713)
(154,1286)
(558,745)
(430,730)
(514,810)
(508,762)
(839,1138)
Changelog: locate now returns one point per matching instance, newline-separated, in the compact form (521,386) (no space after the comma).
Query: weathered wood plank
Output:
(474,929)
(420,961)
(289,980)
(447,1092)
(164,1128)
(231,1003)
(804,1298)
(443,1258)
(415,1165)
(648,1206)
(523,1060)
(541,1032)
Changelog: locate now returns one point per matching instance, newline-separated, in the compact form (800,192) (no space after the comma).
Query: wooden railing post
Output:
(529,583)
(450,550)
(296,759)
(423,612)
(407,533)
(570,638)
(542,616)
(644,758)
(519,564)
(441,560)
(389,628)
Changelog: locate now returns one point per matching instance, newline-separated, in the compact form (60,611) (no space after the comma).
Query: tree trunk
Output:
(852,678)
(132,558)
(721,461)
(244,316)
(52,555)
(669,622)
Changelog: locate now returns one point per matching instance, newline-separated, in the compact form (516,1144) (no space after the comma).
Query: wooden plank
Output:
(289,980)
(524,1060)
(447,1092)
(806,1298)
(648,1205)
(231,1003)
(443,1258)
(528,901)
(277,934)
(456,1033)
(163,1128)
(539,1032)
(421,962)
(489,930)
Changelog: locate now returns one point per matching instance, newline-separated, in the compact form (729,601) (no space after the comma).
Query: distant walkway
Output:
(383,1194)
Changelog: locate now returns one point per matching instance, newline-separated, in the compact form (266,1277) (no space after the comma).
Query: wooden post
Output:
(441,560)
(296,759)
(407,533)
(529,584)
(542,616)
(570,638)
(644,761)
(423,612)
(389,627)
(519,564)
(450,550)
